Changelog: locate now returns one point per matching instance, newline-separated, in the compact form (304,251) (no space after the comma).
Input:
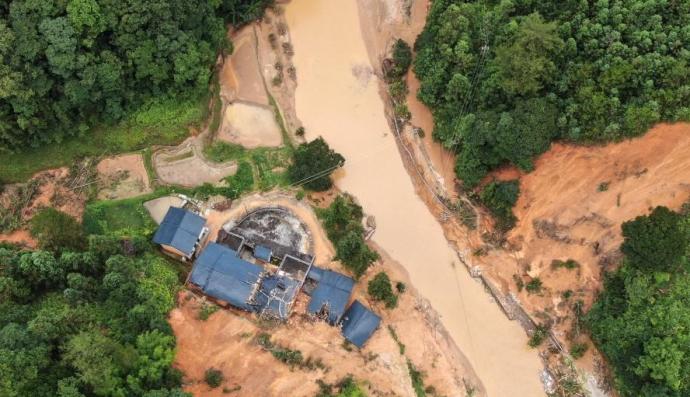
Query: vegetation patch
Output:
(347,387)
(92,321)
(213,377)
(268,164)
(290,357)
(569,264)
(500,197)
(541,332)
(505,79)
(56,231)
(158,122)
(206,310)
(381,289)
(117,216)
(641,321)
(343,223)
(312,165)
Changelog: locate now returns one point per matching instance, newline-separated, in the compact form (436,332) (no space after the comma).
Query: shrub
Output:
(402,59)
(398,90)
(213,377)
(539,335)
(569,264)
(300,131)
(312,165)
(206,311)
(264,340)
(56,231)
(417,378)
(400,287)
(500,197)
(394,335)
(241,182)
(603,186)
(381,290)
(355,253)
(578,350)
(567,294)
(288,356)
(534,285)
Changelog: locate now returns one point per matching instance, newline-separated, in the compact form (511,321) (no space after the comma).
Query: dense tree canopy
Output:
(89,323)
(69,65)
(505,78)
(641,321)
(313,163)
(343,223)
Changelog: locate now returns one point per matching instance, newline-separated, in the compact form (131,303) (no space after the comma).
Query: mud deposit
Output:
(338,98)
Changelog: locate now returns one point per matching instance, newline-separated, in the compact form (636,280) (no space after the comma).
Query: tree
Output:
(354,252)
(40,269)
(380,289)
(342,216)
(505,78)
(313,163)
(56,231)
(93,355)
(402,59)
(655,241)
(213,377)
(68,66)
(525,63)
(500,197)
(641,320)
(155,355)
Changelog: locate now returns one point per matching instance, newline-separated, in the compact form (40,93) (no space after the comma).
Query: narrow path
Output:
(338,98)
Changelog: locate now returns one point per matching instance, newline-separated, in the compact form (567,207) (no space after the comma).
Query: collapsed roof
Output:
(331,295)
(180,229)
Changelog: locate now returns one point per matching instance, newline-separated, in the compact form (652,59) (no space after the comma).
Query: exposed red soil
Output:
(572,206)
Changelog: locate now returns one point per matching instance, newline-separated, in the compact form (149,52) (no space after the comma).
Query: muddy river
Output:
(337,97)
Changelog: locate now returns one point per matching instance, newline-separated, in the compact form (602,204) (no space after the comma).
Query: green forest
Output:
(69,66)
(87,323)
(641,321)
(506,78)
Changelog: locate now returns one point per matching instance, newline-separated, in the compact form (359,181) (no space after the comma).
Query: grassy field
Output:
(159,122)
(263,160)
(104,217)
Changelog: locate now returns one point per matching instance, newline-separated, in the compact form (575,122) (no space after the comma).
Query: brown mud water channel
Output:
(338,98)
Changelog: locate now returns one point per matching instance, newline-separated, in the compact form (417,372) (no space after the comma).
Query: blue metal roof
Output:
(180,229)
(222,274)
(315,273)
(262,252)
(333,291)
(275,294)
(359,323)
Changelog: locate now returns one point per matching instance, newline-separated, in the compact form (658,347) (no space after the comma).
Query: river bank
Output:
(338,98)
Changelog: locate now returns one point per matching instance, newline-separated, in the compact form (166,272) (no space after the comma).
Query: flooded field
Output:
(337,98)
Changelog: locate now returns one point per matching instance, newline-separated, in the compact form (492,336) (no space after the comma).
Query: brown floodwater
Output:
(337,98)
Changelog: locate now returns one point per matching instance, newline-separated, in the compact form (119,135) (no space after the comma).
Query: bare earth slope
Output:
(572,206)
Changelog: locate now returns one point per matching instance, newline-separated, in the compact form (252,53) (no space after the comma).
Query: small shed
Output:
(331,295)
(263,253)
(180,232)
(220,273)
(359,324)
